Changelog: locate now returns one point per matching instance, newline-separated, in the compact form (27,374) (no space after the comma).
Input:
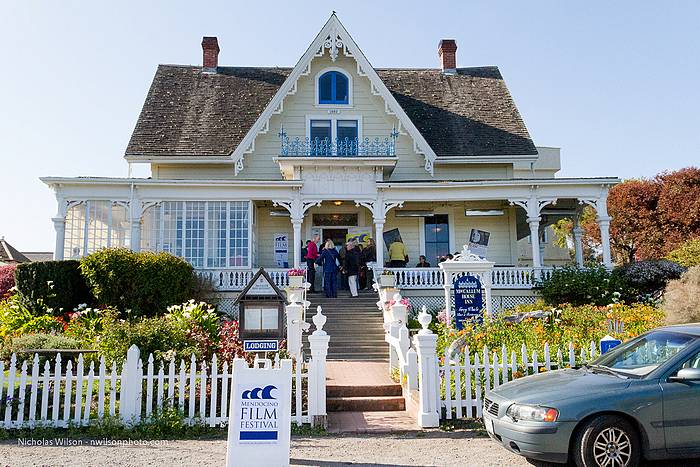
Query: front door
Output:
(682,411)
(337,235)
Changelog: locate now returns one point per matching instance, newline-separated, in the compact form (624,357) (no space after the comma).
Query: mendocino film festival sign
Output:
(260,415)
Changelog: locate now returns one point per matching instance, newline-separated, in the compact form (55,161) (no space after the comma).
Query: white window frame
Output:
(333,106)
(161,231)
(334,124)
(450,229)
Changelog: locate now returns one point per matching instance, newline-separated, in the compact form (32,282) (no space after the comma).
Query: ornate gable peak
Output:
(334,38)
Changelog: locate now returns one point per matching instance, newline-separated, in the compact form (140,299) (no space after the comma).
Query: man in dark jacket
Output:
(351,266)
(369,254)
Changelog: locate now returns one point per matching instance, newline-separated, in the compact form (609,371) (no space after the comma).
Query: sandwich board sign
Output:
(260,415)
(469,299)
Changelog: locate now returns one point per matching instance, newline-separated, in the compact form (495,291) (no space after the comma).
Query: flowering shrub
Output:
(230,344)
(7,279)
(296,272)
(193,315)
(576,324)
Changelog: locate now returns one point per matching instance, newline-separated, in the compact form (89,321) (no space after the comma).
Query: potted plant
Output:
(296,278)
(387,279)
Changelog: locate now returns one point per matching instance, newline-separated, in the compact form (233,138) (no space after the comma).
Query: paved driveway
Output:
(414,449)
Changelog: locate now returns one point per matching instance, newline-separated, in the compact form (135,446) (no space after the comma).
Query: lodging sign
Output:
(260,415)
(469,301)
(260,345)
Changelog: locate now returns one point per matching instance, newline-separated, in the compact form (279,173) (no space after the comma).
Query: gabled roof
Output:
(189,112)
(8,253)
(261,273)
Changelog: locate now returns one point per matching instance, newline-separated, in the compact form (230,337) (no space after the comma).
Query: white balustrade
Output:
(503,277)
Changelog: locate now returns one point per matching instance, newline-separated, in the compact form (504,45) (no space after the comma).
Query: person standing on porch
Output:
(311,257)
(397,254)
(369,254)
(351,266)
(329,261)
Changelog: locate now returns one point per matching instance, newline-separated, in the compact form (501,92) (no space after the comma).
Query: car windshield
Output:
(640,356)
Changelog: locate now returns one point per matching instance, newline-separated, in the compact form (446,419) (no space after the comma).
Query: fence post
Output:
(425,343)
(318,343)
(294,313)
(129,409)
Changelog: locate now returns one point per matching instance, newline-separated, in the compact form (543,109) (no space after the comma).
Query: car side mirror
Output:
(686,375)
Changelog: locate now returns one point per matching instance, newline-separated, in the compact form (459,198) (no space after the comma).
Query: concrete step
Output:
(363,391)
(363,404)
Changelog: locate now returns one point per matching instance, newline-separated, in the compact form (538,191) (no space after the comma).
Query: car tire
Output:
(607,437)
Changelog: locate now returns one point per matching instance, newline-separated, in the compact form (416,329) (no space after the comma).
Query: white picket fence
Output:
(465,381)
(66,395)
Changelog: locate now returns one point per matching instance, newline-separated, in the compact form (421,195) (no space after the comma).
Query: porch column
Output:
(379,241)
(578,244)
(533,206)
(59,224)
(297,207)
(534,223)
(135,211)
(296,226)
(604,225)
(601,207)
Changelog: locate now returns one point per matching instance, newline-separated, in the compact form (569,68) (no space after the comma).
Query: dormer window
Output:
(333,88)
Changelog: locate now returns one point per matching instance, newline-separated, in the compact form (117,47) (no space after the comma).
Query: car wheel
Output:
(607,441)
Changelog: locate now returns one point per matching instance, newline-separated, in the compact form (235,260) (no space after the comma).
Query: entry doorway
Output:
(337,235)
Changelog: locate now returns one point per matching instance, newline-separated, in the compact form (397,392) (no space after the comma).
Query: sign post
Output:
(469,299)
(259,428)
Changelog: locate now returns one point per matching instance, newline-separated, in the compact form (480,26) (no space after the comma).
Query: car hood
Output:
(550,386)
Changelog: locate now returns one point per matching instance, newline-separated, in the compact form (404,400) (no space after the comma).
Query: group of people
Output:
(351,265)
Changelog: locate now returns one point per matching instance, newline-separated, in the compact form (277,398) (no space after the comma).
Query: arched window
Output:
(333,88)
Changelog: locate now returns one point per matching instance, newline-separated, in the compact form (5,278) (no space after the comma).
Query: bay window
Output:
(95,224)
(213,234)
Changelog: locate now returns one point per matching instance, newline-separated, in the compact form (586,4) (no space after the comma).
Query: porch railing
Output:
(235,279)
(503,277)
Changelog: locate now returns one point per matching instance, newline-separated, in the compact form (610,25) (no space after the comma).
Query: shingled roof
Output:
(9,254)
(192,113)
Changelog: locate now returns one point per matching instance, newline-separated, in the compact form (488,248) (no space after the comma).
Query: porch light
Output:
(483,212)
(338,203)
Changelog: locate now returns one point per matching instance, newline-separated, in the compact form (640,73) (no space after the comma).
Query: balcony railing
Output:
(345,147)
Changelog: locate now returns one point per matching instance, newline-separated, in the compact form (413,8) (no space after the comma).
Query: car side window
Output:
(693,362)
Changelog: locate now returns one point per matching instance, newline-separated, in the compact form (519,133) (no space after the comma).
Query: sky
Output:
(613,84)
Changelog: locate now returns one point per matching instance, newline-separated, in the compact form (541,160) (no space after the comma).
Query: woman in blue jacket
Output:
(329,260)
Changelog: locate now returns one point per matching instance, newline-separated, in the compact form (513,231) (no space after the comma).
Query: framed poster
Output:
(479,242)
(390,236)
(281,242)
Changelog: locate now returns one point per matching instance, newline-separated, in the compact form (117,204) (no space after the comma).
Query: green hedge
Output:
(145,283)
(57,284)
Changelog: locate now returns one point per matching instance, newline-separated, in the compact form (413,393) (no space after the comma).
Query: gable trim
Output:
(335,37)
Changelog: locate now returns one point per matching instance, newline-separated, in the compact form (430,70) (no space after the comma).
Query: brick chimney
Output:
(210,52)
(447,51)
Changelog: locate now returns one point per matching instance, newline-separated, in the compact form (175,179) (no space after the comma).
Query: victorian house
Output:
(242,158)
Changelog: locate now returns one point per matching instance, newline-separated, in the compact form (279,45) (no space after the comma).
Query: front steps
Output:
(362,398)
(354,324)
(370,398)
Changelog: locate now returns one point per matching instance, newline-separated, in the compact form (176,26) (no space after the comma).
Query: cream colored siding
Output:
(266,229)
(375,122)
